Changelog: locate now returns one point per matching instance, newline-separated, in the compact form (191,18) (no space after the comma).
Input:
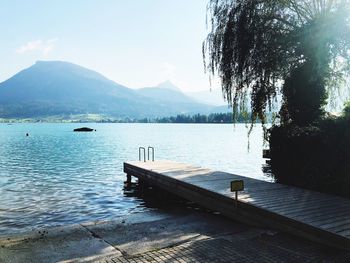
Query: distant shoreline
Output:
(87,122)
(212,118)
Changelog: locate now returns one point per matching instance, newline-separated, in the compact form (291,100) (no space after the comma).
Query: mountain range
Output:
(57,88)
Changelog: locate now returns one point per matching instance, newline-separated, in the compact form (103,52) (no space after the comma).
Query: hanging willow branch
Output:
(254,46)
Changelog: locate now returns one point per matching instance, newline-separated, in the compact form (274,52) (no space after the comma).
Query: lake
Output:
(56,176)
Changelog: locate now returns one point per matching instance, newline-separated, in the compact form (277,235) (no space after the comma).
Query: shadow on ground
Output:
(174,231)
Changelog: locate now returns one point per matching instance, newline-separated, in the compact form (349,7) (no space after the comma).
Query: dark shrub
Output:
(315,157)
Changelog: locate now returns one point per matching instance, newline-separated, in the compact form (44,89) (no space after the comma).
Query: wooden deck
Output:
(312,215)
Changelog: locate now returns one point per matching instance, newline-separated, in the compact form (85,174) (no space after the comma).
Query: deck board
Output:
(317,216)
(313,206)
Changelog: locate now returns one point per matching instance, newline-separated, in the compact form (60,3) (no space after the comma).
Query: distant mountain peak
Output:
(64,67)
(56,63)
(168,85)
(58,88)
(59,64)
(51,61)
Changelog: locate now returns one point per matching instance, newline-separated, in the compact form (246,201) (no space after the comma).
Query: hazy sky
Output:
(136,43)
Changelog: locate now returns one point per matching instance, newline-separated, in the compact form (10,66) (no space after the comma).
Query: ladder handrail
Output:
(150,147)
(144,154)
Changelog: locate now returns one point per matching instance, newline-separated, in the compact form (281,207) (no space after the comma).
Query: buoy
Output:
(27,134)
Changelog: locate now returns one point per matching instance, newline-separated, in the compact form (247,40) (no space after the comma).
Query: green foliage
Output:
(200,118)
(259,47)
(346,111)
(304,98)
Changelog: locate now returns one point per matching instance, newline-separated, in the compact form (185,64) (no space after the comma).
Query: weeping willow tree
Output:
(259,48)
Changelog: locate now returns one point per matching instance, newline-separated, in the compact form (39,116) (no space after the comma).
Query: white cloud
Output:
(42,46)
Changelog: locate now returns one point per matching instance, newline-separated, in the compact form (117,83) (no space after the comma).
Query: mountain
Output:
(51,88)
(211,97)
(168,85)
(166,91)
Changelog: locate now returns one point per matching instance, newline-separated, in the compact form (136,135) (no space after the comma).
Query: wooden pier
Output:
(316,216)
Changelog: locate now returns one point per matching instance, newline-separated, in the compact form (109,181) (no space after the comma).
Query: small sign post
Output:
(237,185)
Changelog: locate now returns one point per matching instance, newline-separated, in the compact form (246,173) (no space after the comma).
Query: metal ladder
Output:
(143,149)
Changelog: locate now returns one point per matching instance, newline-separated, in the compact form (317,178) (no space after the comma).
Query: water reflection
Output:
(153,197)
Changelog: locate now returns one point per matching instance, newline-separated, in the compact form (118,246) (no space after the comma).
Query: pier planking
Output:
(316,216)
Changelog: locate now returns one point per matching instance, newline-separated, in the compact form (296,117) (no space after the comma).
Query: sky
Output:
(137,43)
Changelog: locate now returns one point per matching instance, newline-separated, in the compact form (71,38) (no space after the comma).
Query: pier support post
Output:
(236,199)
(128,179)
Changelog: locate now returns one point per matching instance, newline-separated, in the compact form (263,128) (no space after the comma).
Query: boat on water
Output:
(84,129)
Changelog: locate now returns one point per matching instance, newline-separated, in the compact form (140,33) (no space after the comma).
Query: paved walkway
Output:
(248,246)
(177,233)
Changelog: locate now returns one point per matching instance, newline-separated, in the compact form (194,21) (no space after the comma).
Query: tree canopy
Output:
(259,48)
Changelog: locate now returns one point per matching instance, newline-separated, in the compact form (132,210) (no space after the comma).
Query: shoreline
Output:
(136,217)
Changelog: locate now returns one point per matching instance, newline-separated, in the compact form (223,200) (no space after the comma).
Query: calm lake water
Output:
(56,176)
